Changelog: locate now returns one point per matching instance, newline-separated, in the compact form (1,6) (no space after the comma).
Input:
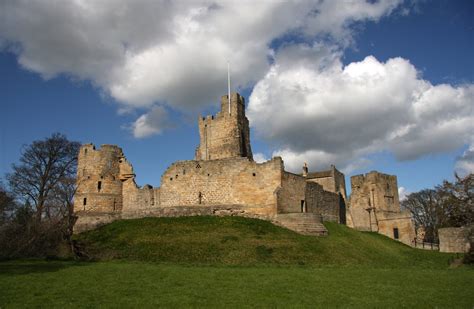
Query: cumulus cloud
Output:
(153,122)
(465,163)
(403,193)
(313,108)
(169,52)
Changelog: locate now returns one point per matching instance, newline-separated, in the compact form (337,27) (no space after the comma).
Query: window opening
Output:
(303,206)
(395,233)
(200,198)
(99,186)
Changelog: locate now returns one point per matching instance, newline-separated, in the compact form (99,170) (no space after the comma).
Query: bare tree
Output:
(449,204)
(427,213)
(44,167)
(7,204)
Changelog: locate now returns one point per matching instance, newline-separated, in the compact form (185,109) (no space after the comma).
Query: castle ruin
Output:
(223,179)
(375,207)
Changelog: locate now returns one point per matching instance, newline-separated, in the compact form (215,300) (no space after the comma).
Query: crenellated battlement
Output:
(227,134)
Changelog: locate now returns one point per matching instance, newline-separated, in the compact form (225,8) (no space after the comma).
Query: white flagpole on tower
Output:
(228,82)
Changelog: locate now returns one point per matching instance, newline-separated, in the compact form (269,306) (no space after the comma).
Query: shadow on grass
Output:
(14,268)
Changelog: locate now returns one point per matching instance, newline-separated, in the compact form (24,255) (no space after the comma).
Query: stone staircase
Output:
(302,223)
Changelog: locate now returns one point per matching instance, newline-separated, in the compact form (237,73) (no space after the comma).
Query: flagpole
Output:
(228,82)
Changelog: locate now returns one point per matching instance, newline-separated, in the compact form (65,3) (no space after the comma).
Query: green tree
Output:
(457,200)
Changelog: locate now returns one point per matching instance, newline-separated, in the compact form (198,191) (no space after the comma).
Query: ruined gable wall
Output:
(340,183)
(235,181)
(323,202)
(99,187)
(332,180)
(291,193)
(328,183)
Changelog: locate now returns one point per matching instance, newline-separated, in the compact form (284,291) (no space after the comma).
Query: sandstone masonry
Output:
(375,206)
(223,179)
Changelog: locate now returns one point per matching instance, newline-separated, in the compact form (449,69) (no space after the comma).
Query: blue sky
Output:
(384,86)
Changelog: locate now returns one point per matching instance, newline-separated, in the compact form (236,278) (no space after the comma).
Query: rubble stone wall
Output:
(237,181)
(455,239)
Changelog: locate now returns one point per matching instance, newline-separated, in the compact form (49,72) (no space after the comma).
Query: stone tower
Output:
(374,206)
(99,179)
(373,194)
(227,134)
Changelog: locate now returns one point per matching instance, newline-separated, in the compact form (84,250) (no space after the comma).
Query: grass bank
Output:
(236,262)
(242,241)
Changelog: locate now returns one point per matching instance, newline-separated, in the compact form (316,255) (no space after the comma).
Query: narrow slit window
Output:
(303,206)
(395,233)
(99,186)
(84,202)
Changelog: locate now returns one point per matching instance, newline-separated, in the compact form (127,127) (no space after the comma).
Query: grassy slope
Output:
(242,241)
(237,262)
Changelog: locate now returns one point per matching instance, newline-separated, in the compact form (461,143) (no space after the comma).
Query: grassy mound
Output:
(243,241)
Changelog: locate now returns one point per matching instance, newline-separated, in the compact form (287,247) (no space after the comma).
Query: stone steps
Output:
(302,223)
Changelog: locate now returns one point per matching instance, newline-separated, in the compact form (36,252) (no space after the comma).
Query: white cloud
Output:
(153,122)
(259,157)
(465,163)
(313,108)
(171,52)
(403,193)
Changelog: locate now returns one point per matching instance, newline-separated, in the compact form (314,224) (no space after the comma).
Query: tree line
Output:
(450,204)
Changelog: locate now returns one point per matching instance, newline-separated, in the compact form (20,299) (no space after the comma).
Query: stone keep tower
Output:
(373,194)
(226,135)
(99,179)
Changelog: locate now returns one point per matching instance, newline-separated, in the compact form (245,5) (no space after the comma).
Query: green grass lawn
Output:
(129,284)
(236,262)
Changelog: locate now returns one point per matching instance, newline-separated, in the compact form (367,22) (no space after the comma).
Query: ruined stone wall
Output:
(235,181)
(332,180)
(291,196)
(388,222)
(323,202)
(135,198)
(226,135)
(374,206)
(375,191)
(99,187)
(455,239)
